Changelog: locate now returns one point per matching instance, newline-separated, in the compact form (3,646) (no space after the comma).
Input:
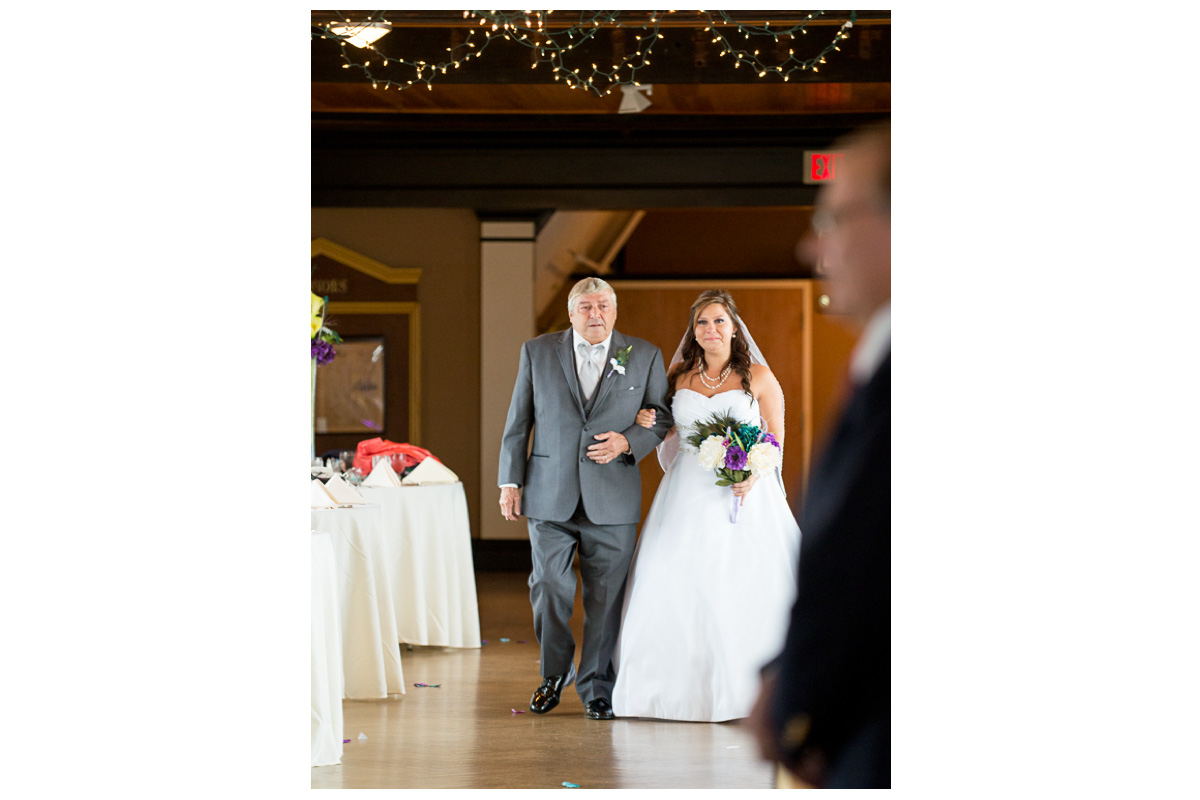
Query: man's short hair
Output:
(589,286)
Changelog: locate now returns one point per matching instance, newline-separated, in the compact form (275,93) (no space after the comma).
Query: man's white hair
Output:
(589,286)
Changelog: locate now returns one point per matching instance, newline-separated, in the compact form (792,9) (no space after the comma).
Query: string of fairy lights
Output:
(555,41)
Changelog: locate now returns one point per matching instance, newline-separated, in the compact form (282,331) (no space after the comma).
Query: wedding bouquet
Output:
(734,450)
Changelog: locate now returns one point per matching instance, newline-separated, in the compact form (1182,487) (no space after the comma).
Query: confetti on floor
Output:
(506,640)
(428,685)
(345,741)
(570,785)
(515,711)
(362,736)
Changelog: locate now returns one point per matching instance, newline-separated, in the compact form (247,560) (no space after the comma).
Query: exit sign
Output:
(820,166)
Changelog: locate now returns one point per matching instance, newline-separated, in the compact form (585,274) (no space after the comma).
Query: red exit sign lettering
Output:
(820,167)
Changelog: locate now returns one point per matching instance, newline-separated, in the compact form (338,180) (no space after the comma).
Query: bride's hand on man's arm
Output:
(741,489)
(645,417)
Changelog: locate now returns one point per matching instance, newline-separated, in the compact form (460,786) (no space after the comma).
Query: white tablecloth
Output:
(326,665)
(428,550)
(370,641)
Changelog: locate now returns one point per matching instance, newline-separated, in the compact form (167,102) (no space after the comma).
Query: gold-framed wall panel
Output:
(413,310)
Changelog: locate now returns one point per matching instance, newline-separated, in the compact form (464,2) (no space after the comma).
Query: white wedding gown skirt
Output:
(707,601)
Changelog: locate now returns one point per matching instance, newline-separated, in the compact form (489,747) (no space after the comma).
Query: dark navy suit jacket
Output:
(833,691)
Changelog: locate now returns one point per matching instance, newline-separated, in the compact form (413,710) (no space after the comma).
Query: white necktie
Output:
(589,373)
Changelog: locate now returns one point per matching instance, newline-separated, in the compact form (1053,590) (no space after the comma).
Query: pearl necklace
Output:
(724,374)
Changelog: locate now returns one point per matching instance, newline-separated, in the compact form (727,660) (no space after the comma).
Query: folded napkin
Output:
(343,493)
(320,497)
(382,475)
(430,471)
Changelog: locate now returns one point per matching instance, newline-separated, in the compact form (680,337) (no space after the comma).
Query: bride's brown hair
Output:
(693,353)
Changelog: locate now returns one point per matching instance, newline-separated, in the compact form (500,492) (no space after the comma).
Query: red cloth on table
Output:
(409,453)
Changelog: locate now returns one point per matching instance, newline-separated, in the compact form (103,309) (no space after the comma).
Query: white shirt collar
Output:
(873,346)
(580,340)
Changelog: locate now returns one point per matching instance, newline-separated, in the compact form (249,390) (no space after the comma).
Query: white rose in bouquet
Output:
(712,452)
(764,457)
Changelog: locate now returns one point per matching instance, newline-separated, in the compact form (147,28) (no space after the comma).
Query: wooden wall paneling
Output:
(834,337)
(692,242)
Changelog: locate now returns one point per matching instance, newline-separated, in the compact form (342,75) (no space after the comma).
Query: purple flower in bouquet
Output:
(322,351)
(735,458)
(770,439)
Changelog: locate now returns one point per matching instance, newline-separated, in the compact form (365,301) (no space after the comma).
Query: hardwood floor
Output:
(464,734)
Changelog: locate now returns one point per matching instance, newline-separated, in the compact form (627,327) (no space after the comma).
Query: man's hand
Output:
(611,445)
(510,502)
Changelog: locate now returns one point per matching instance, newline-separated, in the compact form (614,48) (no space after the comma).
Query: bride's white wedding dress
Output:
(707,601)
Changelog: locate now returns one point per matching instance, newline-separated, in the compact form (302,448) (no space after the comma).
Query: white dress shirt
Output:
(873,346)
(578,340)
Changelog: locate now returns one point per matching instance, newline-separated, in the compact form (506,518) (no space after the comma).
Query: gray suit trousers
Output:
(605,552)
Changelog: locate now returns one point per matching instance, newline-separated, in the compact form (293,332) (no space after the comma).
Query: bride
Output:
(707,599)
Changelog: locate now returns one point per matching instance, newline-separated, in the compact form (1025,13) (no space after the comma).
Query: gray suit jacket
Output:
(546,401)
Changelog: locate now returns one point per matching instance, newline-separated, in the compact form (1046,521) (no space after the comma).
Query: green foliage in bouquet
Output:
(724,443)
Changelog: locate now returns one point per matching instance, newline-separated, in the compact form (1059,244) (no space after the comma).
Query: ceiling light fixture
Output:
(361,34)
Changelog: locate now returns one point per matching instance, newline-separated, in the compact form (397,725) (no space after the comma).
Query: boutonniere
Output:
(619,361)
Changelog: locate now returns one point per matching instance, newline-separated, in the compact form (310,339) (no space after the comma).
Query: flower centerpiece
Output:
(323,337)
(734,450)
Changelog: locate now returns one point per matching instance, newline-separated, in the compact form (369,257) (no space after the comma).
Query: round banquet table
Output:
(367,616)
(427,547)
(326,664)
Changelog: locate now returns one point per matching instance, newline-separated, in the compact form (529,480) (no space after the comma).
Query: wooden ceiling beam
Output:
(667,99)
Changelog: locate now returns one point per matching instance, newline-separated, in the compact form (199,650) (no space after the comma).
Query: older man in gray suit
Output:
(578,392)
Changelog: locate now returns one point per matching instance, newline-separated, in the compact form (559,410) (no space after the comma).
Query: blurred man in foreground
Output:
(825,709)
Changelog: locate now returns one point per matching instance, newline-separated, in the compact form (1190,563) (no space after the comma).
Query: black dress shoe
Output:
(599,708)
(547,695)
